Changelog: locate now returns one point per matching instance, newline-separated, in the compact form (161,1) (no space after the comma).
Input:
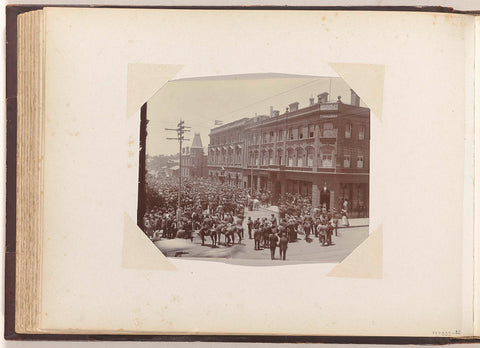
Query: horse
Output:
(203,232)
(229,235)
(213,237)
(230,232)
(218,231)
(256,204)
(239,226)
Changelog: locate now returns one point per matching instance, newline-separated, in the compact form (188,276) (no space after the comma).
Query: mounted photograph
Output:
(271,168)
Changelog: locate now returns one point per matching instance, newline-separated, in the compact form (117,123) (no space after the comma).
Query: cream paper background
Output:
(477,179)
(418,166)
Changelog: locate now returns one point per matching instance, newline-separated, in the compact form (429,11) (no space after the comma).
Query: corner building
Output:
(322,151)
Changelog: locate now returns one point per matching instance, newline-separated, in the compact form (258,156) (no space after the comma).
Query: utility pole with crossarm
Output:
(181,129)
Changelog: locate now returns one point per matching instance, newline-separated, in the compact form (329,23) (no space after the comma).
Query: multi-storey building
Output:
(194,161)
(321,150)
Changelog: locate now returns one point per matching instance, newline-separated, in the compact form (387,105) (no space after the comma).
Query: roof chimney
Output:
(323,98)
(271,111)
(354,98)
(293,106)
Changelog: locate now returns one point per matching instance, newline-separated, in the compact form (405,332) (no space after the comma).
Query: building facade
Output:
(194,160)
(321,151)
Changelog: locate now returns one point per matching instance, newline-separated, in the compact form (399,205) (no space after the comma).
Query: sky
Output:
(202,100)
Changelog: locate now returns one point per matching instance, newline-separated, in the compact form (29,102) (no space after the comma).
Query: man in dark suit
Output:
(273,244)
(257,235)
(283,246)
(250,225)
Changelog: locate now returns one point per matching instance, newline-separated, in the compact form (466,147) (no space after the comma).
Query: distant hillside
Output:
(161,162)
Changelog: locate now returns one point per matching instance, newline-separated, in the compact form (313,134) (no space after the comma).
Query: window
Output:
(346,161)
(327,160)
(299,157)
(311,130)
(348,131)
(361,133)
(290,158)
(310,157)
(360,161)
(270,157)
(280,134)
(300,132)
(279,157)
(290,133)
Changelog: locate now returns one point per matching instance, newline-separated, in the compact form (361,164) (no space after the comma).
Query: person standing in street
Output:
(257,235)
(250,225)
(273,244)
(283,246)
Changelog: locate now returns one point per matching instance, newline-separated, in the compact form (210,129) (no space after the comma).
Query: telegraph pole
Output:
(181,129)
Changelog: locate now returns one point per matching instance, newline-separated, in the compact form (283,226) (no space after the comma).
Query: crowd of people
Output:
(215,212)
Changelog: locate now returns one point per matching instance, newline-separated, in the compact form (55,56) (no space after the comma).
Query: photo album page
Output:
(254,172)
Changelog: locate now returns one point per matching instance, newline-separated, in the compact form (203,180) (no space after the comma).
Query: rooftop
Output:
(196,142)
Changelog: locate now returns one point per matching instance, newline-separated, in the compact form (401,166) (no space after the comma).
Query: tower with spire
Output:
(195,161)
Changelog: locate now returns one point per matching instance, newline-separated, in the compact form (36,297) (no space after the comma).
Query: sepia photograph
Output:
(260,169)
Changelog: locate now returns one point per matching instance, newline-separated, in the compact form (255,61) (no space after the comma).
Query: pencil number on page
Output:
(446,333)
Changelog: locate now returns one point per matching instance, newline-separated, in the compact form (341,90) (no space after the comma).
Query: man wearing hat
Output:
(250,225)
(257,235)
(283,246)
(273,239)
(273,220)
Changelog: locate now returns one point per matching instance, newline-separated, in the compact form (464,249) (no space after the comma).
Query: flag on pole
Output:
(218,122)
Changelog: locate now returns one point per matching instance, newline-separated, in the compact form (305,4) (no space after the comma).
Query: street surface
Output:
(301,251)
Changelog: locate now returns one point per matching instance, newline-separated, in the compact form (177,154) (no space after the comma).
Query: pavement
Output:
(302,251)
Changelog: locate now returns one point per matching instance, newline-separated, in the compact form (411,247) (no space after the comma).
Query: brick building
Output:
(194,160)
(321,150)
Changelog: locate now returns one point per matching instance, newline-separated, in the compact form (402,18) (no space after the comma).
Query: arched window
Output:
(239,155)
(300,158)
(310,157)
(264,158)
(279,157)
(327,161)
(270,157)
(290,158)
